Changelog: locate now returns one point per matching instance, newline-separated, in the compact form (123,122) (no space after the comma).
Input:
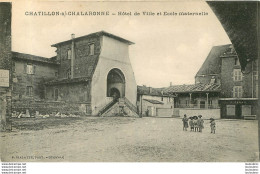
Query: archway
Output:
(115,84)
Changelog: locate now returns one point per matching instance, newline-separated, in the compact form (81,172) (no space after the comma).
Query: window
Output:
(237,91)
(237,75)
(30,69)
(246,110)
(56,94)
(29,91)
(237,61)
(69,54)
(231,109)
(92,49)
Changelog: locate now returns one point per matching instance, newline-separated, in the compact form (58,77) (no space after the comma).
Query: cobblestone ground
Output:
(128,139)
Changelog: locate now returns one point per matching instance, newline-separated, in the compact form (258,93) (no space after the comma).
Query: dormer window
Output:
(69,54)
(92,49)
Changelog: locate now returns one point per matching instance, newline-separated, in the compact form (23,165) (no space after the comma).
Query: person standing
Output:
(212,125)
(200,123)
(185,122)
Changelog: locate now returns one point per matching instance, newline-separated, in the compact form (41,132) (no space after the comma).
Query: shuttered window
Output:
(237,75)
(237,91)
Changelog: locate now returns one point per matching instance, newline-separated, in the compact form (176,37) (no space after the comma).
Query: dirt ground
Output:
(125,139)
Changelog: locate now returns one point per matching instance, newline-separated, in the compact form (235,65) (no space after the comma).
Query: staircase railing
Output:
(105,108)
(130,105)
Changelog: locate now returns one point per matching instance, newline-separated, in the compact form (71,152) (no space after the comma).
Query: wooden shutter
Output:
(34,69)
(25,68)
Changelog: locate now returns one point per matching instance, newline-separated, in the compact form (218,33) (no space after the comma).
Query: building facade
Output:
(5,66)
(239,90)
(154,102)
(88,74)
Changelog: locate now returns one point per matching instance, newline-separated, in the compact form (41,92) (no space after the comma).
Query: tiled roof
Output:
(100,33)
(239,19)
(212,63)
(153,101)
(149,91)
(17,55)
(67,81)
(192,88)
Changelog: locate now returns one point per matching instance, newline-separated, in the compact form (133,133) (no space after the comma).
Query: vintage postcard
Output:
(129,81)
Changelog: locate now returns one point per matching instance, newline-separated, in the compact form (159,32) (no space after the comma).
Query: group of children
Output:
(196,123)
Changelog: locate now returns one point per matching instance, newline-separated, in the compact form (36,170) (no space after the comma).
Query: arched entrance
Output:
(115,84)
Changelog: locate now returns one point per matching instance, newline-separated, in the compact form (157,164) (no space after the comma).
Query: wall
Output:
(49,107)
(167,103)
(43,72)
(114,54)
(227,82)
(70,92)
(84,62)
(206,113)
(5,63)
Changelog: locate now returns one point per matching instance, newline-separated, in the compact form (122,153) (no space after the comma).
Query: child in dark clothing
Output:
(212,125)
(191,124)
(195,123)
(185,122)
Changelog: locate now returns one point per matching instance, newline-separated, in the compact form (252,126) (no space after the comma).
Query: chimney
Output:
(72,36)
(72,55)
(150,90)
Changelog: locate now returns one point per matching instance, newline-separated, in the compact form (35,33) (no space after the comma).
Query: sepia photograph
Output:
(168,81)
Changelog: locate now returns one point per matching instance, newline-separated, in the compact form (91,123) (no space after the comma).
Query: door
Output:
(202,104)
(238,111)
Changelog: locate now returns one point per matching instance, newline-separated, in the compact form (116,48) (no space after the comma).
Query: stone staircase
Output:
(120,107)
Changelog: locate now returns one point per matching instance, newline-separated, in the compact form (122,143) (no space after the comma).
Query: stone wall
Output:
(70,92)
(84,63)
(21,80)
(5,64)
(227,82)
(48,107)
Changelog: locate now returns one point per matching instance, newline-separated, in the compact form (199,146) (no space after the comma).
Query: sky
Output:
(167,48)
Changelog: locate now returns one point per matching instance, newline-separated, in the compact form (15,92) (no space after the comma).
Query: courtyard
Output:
(127,139)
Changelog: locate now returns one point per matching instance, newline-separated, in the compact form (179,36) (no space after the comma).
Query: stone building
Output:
(239,90)
(5,66)
(91,74)
(153,102)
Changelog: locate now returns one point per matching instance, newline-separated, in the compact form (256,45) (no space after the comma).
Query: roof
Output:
(97,34)
(153,101)
(67,81)
(30,57)
(239,19)
(193,88)
(149,91)
(212,63)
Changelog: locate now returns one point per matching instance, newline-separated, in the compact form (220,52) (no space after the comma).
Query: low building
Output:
(153,102)
(195,99)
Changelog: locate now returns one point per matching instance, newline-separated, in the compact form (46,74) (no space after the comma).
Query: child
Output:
(212,125)
(200,123)
(195,123)
(191,124)
(185,122)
